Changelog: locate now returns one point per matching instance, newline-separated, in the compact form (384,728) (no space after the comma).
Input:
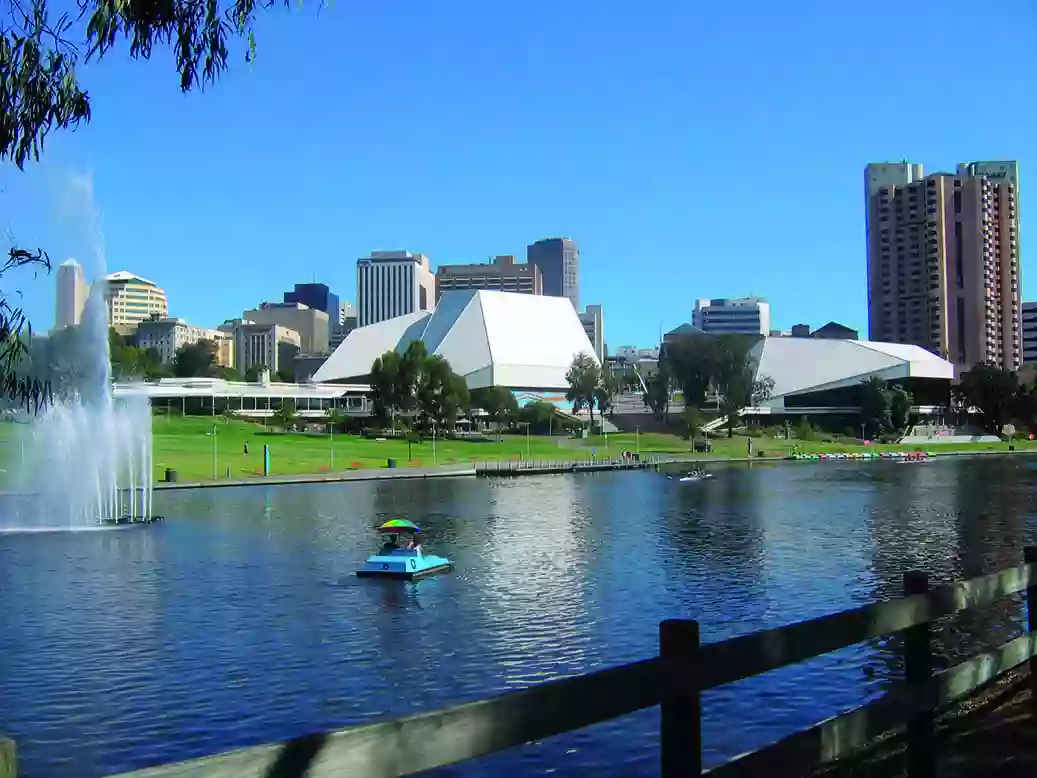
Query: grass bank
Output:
(187,445)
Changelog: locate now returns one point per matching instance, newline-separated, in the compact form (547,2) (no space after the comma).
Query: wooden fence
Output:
(675,680)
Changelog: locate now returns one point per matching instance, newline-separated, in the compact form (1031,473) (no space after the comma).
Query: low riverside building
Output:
(520,341)
(820,376)
(254,400)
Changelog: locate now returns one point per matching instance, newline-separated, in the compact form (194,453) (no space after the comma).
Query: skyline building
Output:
(943,260)
(1029,327)
(312,325)
(501,274)
(391,284)
(72,291)
(732,316)
(593,321)
(131,299)
(559,262)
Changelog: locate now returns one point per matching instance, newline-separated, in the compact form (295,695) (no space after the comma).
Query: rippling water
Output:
(239,620)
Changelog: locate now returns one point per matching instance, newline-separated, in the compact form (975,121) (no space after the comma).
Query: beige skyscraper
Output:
(943,260)
(72,290)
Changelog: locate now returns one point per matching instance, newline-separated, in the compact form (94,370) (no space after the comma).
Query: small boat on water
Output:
(401,555)
(694,475)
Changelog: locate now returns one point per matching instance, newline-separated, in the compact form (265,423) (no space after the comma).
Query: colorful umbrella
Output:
(399,525)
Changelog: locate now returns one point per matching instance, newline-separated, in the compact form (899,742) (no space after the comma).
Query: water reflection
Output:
(240,619)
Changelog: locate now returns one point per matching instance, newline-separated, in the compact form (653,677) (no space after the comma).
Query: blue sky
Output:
(690,151)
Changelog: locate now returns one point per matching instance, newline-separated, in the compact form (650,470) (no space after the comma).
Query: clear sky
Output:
(690,151)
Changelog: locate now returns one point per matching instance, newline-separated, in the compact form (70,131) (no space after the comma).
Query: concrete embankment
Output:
(346,476)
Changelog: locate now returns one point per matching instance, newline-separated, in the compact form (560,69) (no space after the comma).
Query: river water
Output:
(239,621)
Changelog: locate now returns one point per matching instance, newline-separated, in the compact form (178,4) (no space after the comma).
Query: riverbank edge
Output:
(518,467)
(886,754)
(8,758)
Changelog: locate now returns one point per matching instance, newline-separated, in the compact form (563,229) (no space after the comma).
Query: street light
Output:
(637,440)
(434,443)
(331,441)
(214,452)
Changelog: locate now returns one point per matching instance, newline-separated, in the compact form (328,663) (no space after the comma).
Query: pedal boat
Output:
(396,561)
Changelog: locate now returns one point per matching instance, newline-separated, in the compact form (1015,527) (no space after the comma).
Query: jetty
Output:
(907,724)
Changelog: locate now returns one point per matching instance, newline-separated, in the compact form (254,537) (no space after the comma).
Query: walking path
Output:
(369,474)
(992,734)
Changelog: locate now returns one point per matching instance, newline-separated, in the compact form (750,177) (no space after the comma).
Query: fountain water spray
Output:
(87,457)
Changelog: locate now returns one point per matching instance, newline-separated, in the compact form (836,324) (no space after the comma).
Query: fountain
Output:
(85,460)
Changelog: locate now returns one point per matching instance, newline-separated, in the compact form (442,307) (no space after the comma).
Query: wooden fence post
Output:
(918,669)
(8,759)
(1030,558)
(680,727)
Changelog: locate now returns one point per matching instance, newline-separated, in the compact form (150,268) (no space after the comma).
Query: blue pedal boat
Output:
(401,556)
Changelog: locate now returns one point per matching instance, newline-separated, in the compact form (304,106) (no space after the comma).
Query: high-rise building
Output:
(391,284)
(943,260)
(131,299)
(732,316)
(593,321)
(269,346)
(72,291)
(313,326)
(559,262)
(316,296)
(502,274)
(1029,327)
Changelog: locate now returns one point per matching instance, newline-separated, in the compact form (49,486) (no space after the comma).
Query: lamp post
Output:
(434,444)
(637,440)
(331,441)
(214,452)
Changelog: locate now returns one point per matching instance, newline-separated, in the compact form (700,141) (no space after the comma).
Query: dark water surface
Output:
(239,620)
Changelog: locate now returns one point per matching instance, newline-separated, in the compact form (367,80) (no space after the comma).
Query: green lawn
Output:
(186,445)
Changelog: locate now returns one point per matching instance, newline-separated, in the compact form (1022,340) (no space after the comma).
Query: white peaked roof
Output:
(490,338)
(804,365)
(126,275)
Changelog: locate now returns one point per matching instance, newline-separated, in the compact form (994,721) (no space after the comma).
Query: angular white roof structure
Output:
(805,365)
(126,275)
(491,338)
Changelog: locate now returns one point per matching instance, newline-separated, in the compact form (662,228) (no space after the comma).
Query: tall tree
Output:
(498,401)
(385,383)
(584,378)
(40,92)
(659,390)
(992,391)
(900,402)
(735,377)
(195,359)
(876,406)
(441,394)
(693,363)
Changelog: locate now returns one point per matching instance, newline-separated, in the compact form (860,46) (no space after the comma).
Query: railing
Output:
(675,680)
(508,466)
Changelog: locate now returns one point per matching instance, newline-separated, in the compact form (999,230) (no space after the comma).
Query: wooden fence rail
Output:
(675,680)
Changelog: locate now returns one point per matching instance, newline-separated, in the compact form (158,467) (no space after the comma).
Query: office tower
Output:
(131,299)
(559,262)
(313,326)
(269,346)
(316,296)
(1029,327)
(593,321)
(502,274)
(733,316)
(391,284)
(347,322)
(71,295)
(943,260)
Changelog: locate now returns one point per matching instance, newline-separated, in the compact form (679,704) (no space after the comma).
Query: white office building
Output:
(593,321)
(169,335)
(132,299)
(72,291)
(733,316)
(391,284)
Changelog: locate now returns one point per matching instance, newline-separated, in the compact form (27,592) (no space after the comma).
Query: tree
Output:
(539,415)
(992,391)
(195,359)
(253,373)
(693,363)
(876,404)
(40,92)
(385,383)
(604,392)
(441,393)
(498,401)
(692,420)
(286,375)
(658,395)
(584,378)
(285,417)
(900,402)
(735,377)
